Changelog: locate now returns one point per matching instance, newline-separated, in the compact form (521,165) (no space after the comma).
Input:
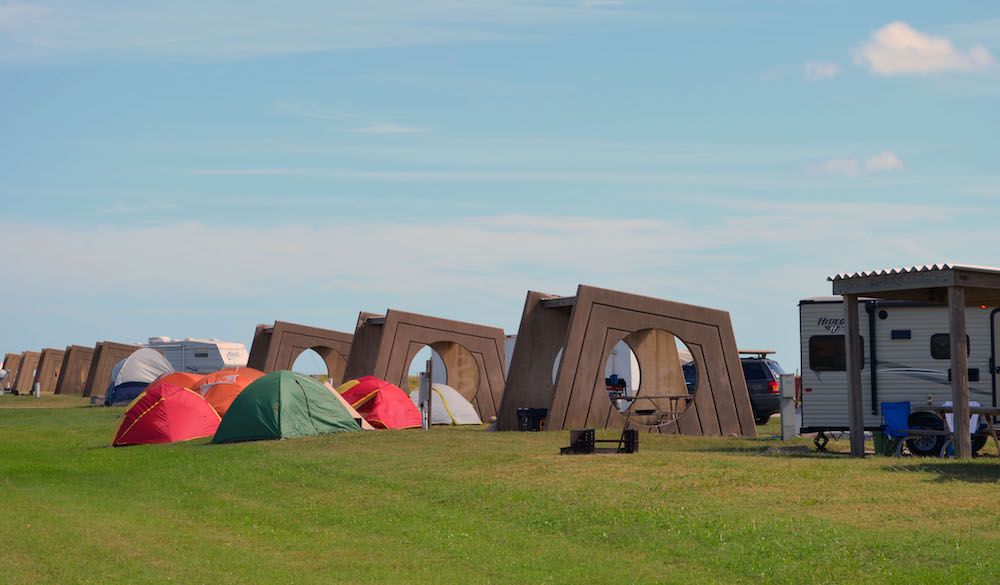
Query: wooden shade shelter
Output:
(276,347)
(956,285)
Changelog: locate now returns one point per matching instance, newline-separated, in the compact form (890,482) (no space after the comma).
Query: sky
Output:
(192,169)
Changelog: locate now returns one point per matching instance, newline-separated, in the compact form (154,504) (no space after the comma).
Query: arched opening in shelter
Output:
(651,377)
(322,363)
(453,364)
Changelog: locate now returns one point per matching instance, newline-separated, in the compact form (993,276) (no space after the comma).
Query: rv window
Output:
(828,354)
(201,354)
(941,346)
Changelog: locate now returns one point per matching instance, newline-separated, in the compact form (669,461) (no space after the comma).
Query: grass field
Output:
(467,506)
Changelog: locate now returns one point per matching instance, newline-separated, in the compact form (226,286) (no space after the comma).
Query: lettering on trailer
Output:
(231,355)
(831,325)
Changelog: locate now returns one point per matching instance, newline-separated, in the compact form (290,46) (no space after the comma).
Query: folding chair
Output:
(896,416)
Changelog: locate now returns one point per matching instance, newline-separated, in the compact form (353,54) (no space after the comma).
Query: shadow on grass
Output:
(796,451)
(984,470)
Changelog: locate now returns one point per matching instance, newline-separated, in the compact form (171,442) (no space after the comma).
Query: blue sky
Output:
(188,170)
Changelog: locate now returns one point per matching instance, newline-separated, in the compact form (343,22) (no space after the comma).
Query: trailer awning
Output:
(923,283)
(958,285)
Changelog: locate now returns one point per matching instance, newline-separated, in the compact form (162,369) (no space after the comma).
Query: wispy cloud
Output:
(899,49)
(811,71)
(16,15)
(514,247)
(391,128)
(310,111)
(820,70)
(222,31)
(123,208)
(853,167)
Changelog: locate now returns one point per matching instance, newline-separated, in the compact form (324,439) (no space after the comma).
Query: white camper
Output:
(200,356)
(906,355)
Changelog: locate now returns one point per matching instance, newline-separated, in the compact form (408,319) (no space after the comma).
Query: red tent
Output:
(382,404)
(164,414)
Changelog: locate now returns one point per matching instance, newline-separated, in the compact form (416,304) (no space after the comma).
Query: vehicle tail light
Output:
(775,387)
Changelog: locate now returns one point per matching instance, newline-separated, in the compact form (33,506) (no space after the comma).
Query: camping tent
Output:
(382,404)
(365,425)
(222,387)
(130,376)
(163,414)
(448,407)
(285,405)
(182,379)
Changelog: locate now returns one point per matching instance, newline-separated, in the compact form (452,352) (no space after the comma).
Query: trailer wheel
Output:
(977,444)
(929,445)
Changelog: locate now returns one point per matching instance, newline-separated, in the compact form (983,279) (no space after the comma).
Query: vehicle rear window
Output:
(776,368)
(755,371)
(827,353)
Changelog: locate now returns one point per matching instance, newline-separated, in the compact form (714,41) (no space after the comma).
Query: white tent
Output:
(130,376)
(448,407)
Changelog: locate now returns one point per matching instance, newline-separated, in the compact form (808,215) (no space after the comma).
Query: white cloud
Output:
(820,70)
(224,31)
(899,49)
(16,15)
(391,128)
(886,161)
(505,253)
(850,167)
(307,111)
(853,167)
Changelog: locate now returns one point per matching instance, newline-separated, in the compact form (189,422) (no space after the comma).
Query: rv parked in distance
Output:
(906,356)
(200,356)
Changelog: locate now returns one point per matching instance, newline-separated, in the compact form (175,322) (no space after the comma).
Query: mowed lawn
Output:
(468,506)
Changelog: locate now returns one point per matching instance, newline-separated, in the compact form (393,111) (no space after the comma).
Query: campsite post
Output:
(430,388)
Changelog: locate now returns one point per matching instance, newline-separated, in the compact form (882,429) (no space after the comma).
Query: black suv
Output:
(763,380)
(763,377)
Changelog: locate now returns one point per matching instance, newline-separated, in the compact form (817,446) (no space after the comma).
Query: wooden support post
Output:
(959,371)
(853,355)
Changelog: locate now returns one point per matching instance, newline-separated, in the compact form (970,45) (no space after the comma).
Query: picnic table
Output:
(670,414)
(987,412)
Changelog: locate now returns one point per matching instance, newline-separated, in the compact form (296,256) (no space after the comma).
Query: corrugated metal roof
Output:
(912,269)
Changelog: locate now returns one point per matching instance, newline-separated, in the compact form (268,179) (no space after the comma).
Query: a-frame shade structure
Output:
(106,355)
(26,372)
(49,366)
(11,363)
(958,286)
(73,374)
(384,346)
(585,328)
(276,347)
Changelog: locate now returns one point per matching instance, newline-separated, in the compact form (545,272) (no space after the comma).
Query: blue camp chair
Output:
(895,416)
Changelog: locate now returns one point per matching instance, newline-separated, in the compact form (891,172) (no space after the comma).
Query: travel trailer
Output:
(906,356)
(200,356)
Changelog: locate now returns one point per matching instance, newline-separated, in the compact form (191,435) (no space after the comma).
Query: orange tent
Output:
(182,379)
(222,387)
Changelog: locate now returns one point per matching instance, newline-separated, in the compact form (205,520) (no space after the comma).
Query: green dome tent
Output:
(284,405)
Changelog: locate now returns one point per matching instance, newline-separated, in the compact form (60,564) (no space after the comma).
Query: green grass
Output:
(467,506)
